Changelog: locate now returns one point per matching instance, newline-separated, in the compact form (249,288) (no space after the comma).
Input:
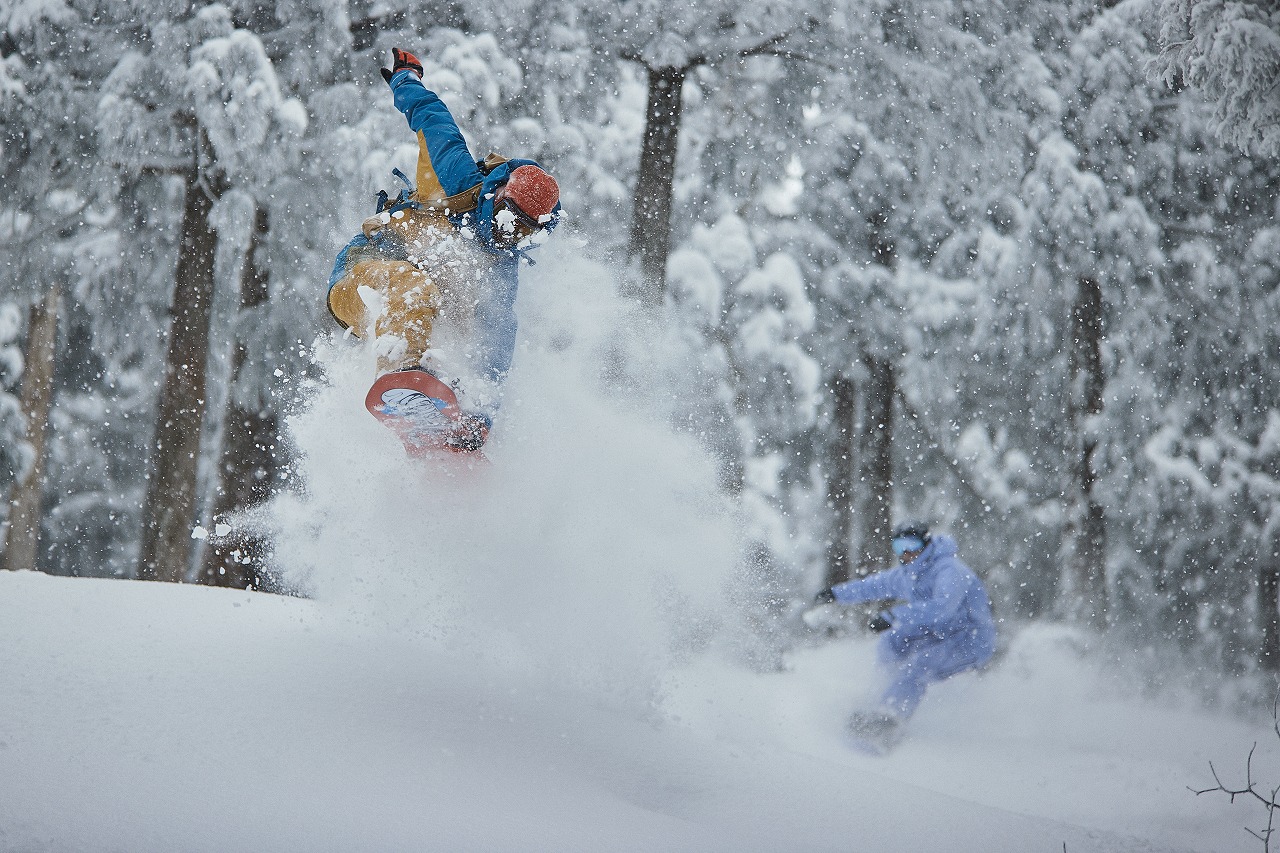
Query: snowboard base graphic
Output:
(423,413)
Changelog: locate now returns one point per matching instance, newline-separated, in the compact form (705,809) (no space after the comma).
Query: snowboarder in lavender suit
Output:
(942,627)
(443,258)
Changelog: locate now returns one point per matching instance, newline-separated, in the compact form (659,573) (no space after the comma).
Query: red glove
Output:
(403,59)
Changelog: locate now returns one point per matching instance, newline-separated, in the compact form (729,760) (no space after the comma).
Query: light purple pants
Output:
(922,662)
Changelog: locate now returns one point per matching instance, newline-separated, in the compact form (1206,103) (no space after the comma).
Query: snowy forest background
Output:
(1009,265)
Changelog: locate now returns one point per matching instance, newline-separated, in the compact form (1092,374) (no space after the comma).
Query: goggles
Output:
(903,544)
(518,224)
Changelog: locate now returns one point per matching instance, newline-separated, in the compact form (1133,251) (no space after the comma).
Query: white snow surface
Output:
(542,654)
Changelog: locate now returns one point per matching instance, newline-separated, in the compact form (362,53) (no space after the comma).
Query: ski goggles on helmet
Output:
(903,544)
(517,224)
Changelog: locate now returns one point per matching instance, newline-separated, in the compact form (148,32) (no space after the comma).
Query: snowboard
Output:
(423,413)
(874,733)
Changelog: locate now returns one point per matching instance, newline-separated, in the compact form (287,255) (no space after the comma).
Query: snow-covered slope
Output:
(542,654)
(148,717)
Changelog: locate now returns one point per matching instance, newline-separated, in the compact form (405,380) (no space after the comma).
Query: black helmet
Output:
(914,529)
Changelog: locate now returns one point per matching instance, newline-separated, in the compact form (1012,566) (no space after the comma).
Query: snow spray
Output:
(594,548)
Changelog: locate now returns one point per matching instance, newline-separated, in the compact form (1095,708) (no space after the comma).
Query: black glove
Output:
(879,623)
(402,59)
(824,596)
(469,434)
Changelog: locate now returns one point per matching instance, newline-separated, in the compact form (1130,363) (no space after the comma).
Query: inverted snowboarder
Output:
(942,627)
(433,276)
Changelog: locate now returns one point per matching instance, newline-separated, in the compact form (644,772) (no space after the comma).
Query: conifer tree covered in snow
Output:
(1230,51)
(15,453)
(752,320)
(1182,256)
(669,44)
(65,221)
(204,106)
(904,143)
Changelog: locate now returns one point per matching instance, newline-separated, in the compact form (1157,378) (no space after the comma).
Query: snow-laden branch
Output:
(1230,51)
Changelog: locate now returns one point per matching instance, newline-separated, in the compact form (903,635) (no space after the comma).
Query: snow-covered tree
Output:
(1230,51)
(1186,255)
(751,321)
(203,105)
(910,123)
(256,131)
(669,43)
(15,453)
(63,216)
(581,114)
(26,503)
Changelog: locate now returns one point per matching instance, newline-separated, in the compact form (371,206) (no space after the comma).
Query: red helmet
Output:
(533,191)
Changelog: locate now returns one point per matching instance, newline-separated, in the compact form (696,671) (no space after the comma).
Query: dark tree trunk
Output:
(651,211)
(884,249)
(248,468)
(875,464)
(1269,612)
(170,505)
(1086,528)
(26,502)
(840,482)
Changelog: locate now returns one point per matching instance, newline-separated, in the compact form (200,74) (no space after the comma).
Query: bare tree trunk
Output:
(1269,612)
(875,467)
(26,503)
(651,210)
(171,487)
(840,482)
(1086,581)
(248,467)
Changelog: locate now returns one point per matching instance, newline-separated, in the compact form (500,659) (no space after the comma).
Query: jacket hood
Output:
(940,548)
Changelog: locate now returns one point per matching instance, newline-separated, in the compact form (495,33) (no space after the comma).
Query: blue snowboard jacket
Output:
(944,601)
(447,169)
